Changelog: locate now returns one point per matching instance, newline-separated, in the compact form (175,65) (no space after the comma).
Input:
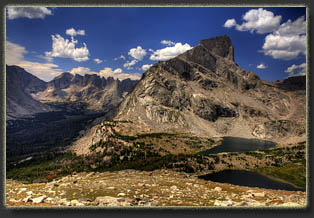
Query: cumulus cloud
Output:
(296,70)
(129,64)
(146,66)
(169,52)
(28,12)
(107,72)
(118,70)
(256,20)
(261,66)
(121,57)
(288,41)
(118,74)
(137,53)
(73,32)
(64,48)
(81,71)
(167,42)
(230,23)
(97,61)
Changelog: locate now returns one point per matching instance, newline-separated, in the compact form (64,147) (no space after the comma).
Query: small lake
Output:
(236,144)
(250,179)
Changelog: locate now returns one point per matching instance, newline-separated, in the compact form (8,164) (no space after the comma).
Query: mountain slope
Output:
(19,87)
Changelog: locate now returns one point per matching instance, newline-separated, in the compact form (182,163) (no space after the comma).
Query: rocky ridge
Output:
(97,92)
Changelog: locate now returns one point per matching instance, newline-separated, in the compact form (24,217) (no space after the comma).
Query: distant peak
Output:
(64,75)
(220,45)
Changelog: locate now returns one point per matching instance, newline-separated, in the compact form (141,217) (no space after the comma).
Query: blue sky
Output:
(124,41)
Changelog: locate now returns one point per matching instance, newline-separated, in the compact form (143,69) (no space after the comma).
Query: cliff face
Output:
(203,91)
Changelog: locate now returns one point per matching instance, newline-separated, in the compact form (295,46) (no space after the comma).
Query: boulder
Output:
(40,199)
(112,201)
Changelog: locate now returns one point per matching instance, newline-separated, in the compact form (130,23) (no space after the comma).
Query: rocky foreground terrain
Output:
(142,188)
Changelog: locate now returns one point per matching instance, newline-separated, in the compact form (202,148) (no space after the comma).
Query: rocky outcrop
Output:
(292,83)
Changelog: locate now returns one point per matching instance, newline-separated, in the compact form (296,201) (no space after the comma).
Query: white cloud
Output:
(118,70)
(256,20)
(121,57)
(167,42)
(261,66)
(146,66)
(128,64)
(73,32)
(230,23)
(137,53)
(28,12)
(44,71)
(288,41)
(14,53)
(117,74)
(296,70)
(81,71)
(47,58)
(106,72)
(170,52)
(64,48)
(97,61)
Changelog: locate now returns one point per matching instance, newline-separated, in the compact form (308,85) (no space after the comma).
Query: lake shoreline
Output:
(249,178)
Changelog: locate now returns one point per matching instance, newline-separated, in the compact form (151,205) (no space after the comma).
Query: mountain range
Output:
(27,95)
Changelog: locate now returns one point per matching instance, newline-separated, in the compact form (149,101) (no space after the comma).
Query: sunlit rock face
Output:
(203,91)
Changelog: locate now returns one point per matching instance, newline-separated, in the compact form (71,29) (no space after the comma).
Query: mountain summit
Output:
(204,92)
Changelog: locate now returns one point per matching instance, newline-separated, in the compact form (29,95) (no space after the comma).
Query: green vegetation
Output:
(290,164)
(294,173)
(47,167)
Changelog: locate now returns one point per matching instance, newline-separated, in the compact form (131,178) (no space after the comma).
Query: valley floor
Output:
(144,188)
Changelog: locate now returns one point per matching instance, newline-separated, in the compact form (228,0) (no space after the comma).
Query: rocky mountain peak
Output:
(220,45)
(203,91)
